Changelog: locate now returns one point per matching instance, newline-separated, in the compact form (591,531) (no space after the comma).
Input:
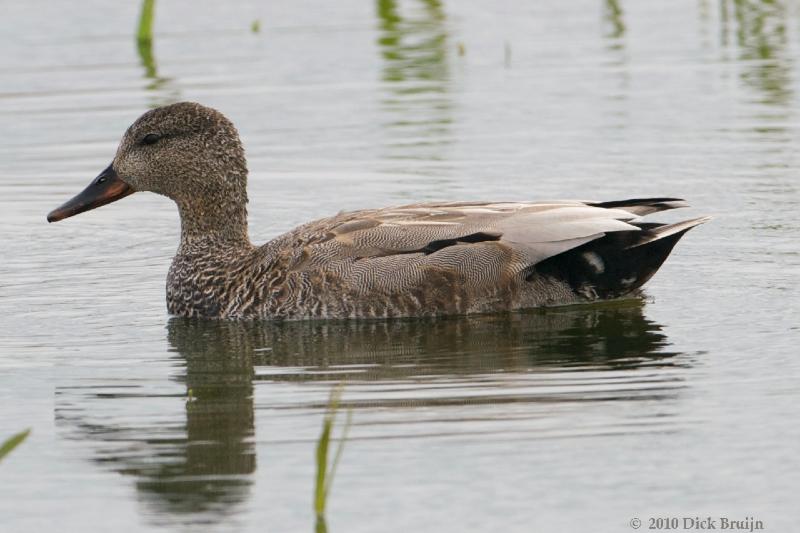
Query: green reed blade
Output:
(145,33)
(13,442)
(322,466)
(324,476)
(339,450)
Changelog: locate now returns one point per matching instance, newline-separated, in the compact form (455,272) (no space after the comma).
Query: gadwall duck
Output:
(413,260)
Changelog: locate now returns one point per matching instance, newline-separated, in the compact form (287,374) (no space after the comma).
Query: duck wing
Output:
(525,233)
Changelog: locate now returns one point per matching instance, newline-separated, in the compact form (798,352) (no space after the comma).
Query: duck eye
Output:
(150,138)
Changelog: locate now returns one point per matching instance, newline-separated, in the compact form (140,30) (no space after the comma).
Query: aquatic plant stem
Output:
(12,442)
(339,450)
(145,32)
(322,467)
(324,479)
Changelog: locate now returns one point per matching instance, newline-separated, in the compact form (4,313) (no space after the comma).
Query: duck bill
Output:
(106,188)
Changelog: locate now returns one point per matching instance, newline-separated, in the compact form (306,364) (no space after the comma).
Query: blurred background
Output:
(683,404)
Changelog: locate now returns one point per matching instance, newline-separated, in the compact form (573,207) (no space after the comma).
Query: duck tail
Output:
(620,262)
(661,231)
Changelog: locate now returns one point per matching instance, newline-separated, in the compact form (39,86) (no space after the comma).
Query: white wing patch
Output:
(595,261)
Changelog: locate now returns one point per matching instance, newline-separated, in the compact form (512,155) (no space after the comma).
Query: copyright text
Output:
(698,523)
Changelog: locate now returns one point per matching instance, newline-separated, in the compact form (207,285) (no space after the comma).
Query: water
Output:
(575,419)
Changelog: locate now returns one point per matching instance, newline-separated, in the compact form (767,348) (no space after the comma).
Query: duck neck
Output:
(217,225)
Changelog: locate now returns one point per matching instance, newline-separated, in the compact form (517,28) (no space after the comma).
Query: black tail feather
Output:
(637,201)
(643,206)
(613,265)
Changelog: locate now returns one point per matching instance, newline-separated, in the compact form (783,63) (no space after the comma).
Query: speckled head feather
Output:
(414,260)
(191,154)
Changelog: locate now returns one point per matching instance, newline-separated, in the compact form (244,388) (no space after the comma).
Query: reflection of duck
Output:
(208,471)
(199,469)
(612,335)
(416,260)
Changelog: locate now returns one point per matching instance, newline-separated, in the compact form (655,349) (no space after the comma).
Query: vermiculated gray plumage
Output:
(414,260)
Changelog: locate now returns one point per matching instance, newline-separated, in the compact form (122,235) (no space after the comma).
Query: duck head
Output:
(185,151)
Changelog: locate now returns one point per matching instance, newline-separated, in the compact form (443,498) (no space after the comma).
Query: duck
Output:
(422,259)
